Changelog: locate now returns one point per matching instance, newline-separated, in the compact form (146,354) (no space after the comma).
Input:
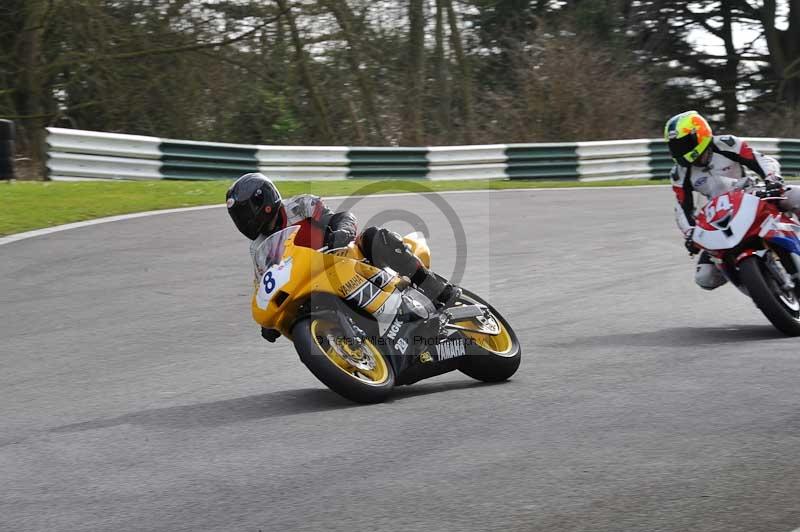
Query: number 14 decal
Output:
(721,204)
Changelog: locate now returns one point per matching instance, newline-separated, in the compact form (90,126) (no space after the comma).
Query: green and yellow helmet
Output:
(688,135)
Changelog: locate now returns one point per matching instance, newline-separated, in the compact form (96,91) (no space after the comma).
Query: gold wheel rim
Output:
(500,344)
(342,355)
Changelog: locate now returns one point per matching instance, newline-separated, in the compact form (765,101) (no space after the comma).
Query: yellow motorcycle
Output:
(362,330)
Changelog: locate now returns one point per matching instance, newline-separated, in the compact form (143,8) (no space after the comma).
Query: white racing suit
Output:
(725,171)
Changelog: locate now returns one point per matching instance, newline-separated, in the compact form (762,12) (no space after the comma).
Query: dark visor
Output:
(244,218)
(678,148)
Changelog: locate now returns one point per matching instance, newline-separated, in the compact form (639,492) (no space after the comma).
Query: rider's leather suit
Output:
(320,226)
(725,170)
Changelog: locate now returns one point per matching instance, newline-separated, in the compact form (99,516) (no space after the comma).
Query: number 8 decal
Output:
(269,282)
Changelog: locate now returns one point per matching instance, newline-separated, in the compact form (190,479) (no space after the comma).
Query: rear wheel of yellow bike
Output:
(494,354)
(359,372)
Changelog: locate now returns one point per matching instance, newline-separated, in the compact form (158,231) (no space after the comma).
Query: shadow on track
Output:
(225,412)
(681,337)
(426,388)
(262,406)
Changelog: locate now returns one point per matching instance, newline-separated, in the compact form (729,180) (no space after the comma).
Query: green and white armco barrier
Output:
(77,154)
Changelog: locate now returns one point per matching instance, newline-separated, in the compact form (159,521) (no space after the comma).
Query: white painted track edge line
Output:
(122,217)
(97,221)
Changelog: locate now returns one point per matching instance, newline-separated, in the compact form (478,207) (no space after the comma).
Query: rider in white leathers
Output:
(712,165)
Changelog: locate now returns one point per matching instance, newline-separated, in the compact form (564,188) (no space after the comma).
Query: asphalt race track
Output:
(136,394)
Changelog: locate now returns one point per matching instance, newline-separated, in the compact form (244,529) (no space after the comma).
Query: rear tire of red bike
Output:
(752,275)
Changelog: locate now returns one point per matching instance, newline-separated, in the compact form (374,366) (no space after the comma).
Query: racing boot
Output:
(385,248)
(442,293)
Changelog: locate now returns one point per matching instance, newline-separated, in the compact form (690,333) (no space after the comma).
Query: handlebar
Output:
(776,194)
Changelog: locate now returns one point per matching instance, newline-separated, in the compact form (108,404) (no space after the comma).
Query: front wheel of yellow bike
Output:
(493,355)
(359,372)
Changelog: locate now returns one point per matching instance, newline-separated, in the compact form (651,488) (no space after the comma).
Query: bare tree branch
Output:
(86,59)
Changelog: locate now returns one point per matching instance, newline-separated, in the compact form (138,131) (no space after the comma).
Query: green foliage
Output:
(600,19)
(237,71)
(261,116)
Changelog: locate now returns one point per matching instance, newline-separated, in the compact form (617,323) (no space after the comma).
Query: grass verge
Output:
(27,205)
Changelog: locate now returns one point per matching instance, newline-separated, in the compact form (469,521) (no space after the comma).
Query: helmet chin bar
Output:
(700,160)
(703,158)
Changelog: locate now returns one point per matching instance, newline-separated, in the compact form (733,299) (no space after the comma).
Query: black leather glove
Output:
(691,247)
(270,335)
(338,239)
(773,189)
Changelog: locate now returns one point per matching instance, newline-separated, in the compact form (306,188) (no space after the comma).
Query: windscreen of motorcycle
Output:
(270,251)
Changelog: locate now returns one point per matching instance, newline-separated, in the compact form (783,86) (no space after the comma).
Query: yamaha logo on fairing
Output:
(452,349)
(364,295)
(351,285)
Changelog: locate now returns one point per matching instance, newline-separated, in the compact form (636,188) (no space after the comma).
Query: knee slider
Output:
(708,277)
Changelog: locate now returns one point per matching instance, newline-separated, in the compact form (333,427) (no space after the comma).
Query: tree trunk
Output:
(730,72)
(323,122)
(784,50)
(361,136)
(30,90)
(414,128)
(465,81)
(344,18)
(442,71)
(791,45)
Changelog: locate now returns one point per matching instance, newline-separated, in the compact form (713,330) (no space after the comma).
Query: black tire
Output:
(752,275)
(313,355)
(485,365)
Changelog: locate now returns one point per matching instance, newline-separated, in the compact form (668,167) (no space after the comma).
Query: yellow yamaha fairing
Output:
(361,330)
(288,275)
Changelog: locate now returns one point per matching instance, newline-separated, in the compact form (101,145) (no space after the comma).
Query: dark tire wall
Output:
(489,367)
(752,275)
(330,375)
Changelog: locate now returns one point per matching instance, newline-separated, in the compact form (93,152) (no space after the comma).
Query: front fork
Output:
(779,272)
(785,280)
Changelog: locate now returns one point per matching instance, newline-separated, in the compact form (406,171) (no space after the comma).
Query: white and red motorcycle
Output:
(756,247)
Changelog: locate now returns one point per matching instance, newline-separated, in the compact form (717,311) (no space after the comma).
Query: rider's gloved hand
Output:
(691,247)
(773,176)
(338,239)
(774,188)
(270,335)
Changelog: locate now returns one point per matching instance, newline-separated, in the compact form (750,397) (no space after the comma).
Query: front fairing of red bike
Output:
(736,225)
(738,221)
